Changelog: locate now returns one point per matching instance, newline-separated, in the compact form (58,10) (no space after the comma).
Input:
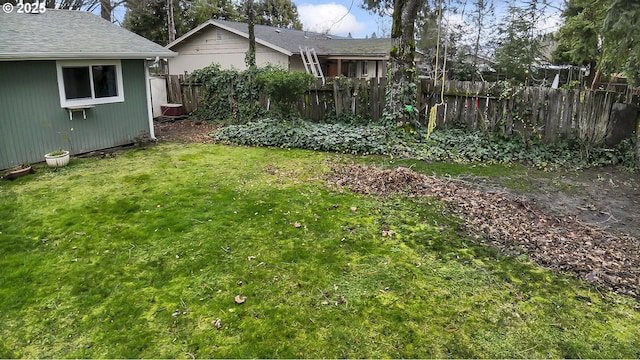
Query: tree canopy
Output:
(621,39)
(149,19)
(517,48)
(279,13)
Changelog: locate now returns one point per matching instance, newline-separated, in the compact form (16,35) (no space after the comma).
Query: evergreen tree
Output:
(621,39)
(203,10)
(580,37)
(517,48)
(279,13)
(148,18)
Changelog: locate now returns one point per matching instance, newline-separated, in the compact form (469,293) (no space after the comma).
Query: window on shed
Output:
(89,83)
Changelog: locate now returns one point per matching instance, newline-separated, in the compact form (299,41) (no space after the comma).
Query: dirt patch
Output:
(606,198)
(516,225)
(184,131)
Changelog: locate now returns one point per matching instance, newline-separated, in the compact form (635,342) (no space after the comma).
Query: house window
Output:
(85,83)
(352,69)
(365,68)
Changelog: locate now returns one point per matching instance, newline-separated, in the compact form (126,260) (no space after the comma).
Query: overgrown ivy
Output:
(352,139)
(229,96)
(454,145)
(234,97)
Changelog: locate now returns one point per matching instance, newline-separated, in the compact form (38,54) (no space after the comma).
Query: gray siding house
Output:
(71,80)
(226,43)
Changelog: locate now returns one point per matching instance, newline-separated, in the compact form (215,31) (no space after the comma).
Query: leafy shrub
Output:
(285,87)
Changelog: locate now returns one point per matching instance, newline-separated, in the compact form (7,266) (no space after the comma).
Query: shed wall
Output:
(32,122)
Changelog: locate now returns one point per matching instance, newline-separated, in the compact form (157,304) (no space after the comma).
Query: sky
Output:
(342,17)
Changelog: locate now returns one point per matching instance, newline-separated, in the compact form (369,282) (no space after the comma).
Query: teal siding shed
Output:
(58,61)
(33,123)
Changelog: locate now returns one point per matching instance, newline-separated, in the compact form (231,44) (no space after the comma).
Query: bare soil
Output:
(586,223)
(184,131)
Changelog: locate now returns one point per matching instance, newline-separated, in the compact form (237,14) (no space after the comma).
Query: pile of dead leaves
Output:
(514,225)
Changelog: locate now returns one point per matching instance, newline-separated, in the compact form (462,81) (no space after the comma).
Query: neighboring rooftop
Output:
(67,34)
(290,39)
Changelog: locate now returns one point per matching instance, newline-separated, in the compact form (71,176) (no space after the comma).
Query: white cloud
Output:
(333,18)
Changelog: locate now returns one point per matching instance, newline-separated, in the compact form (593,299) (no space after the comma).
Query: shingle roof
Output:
(65,34)
(290,40)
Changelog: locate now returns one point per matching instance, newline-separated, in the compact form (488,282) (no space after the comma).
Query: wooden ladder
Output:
(311,63)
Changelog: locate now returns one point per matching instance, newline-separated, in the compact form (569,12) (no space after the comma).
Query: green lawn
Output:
(142,255)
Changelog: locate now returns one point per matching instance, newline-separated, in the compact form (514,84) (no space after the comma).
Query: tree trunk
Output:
(638,140)
(106,9)
(170,21)
(250,57)
(401,88)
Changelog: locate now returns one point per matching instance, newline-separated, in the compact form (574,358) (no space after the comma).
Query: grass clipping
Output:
(515,226)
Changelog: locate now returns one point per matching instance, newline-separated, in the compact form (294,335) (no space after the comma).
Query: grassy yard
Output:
(143,255)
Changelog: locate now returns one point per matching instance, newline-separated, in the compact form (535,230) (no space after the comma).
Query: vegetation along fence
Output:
(541,112)
(527,111)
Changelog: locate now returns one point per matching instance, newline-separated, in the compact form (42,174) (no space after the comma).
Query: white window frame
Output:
(364,71)
(75,103)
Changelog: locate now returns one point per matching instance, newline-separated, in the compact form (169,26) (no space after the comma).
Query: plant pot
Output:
(56,161)
(12,175)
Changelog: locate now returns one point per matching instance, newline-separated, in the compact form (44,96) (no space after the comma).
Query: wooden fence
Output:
(360,97)
(542,112)
(183,92)
(527,111)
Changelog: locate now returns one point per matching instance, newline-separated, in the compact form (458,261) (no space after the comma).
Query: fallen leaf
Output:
(296,224)
(353,208)
(176,313)
(325,303)
(217,323)
(240,299)
(250,258)
(239,283)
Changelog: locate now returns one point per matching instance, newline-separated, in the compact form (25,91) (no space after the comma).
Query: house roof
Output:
(289,41)
(66,34)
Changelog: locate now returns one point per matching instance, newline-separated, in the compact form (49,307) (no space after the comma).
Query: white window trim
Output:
(75,103)
(364,71)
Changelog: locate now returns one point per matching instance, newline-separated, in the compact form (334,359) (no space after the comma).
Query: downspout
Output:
(147,80)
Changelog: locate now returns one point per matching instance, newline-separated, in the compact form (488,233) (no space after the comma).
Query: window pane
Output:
(76,82)
(104,81)
(352,69)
